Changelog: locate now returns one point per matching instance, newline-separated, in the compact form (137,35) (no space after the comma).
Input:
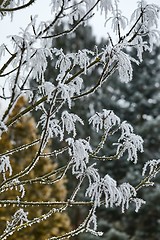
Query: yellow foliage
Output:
(23,132)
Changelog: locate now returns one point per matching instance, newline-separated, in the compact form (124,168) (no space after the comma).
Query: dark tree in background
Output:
(138,102)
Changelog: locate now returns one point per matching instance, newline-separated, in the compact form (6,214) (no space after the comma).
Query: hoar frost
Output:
(79,151)
(18,218)
(128,141)
(30,53)
(5,166)
(114,195)
(68,122)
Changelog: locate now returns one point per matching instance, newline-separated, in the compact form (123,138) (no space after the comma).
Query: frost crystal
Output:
(105,120)
(39,61)
(82,59)
(150,19)
(2,50)
(3,128)
(131,143)
(126,192)
(114,195)
(153,166)
(18,187)
(92,173)
(79,150)
(106,6)
(126,130)
(124,66)
(64,61)
(138,202)
(118,21)
(5,166)
(18,218)
(68,122)
(47,88)
(51,126)
(67,91)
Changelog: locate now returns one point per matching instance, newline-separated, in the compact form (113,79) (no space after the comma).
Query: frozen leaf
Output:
(79,151)
(153,166)
(107,119)
(5,166)
(132,144)
(68,122)
(18,218)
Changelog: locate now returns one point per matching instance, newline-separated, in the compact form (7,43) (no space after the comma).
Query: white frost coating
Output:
(57,4)
(92,173)
(126,130)
(138,202)
(64,60)
(76,85)
(3,127)
(15,183)
(114,195)
(132,144)
(123,65)
(2,50)
(105,120)
(106,6)
(106,186)
(47,88)
(5,166)
(150,21)
(82,59)
(79,151)
(29,54)
(150,14)
(68,122)
(39,61)
(126,192)
(118,20)
(92,222)
(18,218)
(10,5)
(51,126)
(67,91)
(153,166)
(128,141)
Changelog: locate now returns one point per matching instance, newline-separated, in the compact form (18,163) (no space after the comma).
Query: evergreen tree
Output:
(135,102)
(138,102)
(24,132)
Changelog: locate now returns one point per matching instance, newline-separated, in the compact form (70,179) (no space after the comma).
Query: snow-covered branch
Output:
(61,126)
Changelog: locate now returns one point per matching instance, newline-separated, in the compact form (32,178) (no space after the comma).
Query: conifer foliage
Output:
(26,60)
(24,132)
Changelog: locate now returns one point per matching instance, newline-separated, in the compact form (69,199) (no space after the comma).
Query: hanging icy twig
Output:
(79,151)
(5,166)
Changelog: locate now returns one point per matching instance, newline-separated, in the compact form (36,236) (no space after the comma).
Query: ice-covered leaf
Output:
(79,151)
(132,144)
(68,122)
(47,89)
(5,166)
(114,195)
(18,218)
(105,120)
(153,166)
(124,66)
(67,91)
